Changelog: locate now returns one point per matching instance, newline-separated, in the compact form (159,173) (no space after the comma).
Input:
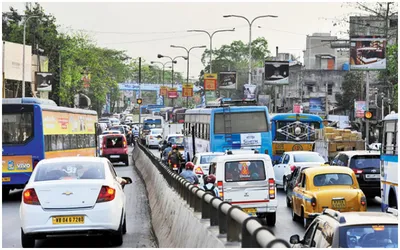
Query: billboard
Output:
(227,80)
(276,72)
(12,61)
(263,100)
(316,105)
(44,81)
(297,108)
(172,93)
(187,90)
(210,81)
(250,91)
(359,108)
(367,53)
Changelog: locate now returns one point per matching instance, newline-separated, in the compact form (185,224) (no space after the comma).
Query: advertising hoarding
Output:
(12,61)
(316,105)
(276,72)
(359,108)
(367,53)
(250,91)
(44,81)
(172,93)
(227,80)
(187,90)
(210,81)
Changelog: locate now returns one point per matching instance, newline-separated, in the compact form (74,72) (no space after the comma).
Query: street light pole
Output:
(187,70)
(211,36)
(250,24)
(23,56)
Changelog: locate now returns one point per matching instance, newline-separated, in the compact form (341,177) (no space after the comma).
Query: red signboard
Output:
(172,93)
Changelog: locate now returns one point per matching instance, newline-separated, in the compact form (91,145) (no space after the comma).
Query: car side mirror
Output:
(274,162)
(295,239)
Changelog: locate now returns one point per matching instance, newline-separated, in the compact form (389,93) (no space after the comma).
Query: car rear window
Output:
(70,171)
(206,159)
(156,131)
(369,236)
(332,179)
(308,158)
(236,171)
(114,142)
(175,139)
(365,161)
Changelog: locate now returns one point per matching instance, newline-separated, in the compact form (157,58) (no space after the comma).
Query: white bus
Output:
(389,163)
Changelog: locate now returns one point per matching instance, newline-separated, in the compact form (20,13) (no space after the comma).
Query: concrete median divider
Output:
(174,222)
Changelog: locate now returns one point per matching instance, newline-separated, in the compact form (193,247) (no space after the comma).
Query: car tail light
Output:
(220,186)
(151,137)
(357,171)
(271,188)
(292,168)
(106,194)
(35,162)
(198,171)
(313,201)
(363,201)
(30,197)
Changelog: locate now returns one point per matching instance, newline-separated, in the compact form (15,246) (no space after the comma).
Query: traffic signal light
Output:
(139,101)
(370,114)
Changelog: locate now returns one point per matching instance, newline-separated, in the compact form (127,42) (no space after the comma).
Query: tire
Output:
(295,217)
(124,226)
(126,162)
(6,192)
(392,200)
(288,202)
(271,219)
(117,238)
(27,241)
(305,221)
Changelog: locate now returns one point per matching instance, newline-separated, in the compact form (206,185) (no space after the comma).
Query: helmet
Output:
(211,179)
(174,146)
(189,165)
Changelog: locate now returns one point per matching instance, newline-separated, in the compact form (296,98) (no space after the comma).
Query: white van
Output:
(248,181)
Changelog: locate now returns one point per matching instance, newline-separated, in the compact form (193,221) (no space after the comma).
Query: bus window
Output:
(67,142)
(241,122)
(60,142)
(390,138)
(17,127)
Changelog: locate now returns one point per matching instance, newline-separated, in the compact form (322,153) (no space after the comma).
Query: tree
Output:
(392,72)
(351,90)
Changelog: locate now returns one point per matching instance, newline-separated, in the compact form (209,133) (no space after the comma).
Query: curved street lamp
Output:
(250,24)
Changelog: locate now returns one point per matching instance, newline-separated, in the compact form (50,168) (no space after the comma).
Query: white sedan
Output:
(154,137)
(73,196)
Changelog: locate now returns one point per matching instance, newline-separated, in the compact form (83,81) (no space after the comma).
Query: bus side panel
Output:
(389,178)
(18,160)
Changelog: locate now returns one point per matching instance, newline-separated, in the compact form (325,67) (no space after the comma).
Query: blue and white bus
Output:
(389,163)
(293,132)
(228,127)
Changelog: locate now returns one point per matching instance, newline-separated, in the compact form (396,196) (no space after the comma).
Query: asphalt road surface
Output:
(139,231)
(285,226)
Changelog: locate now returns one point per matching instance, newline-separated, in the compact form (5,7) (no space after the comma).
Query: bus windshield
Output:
(290,131)
(17,127)
(242,122)
(153,123)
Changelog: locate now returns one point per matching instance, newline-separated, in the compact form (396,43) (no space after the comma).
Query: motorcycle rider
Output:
(189,175)
(175,158)
(165,153)
(209,185)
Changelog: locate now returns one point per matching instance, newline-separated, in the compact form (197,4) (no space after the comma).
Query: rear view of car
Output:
(115,148)
(73,196)
(154,138)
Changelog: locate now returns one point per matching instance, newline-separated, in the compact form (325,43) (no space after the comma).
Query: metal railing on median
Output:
(236,225)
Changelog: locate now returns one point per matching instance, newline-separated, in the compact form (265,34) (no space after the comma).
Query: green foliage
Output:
(351,90)
(392,71)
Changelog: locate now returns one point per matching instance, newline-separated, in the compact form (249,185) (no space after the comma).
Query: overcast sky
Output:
(153,27)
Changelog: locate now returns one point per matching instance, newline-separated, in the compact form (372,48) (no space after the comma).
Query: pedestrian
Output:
(189,175)
(209,185)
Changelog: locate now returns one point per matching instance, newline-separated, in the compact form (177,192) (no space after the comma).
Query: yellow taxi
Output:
(323,187)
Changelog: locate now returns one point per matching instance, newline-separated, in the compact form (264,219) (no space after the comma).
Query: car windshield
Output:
(369,236)
(310,157)
(332,179)
(176,139)
(247,170)
(118,128)
(206,159)
(69,171)
(156,131)
(115,142)
(365,161)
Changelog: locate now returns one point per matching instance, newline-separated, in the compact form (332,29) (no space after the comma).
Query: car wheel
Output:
(6,192)
(284,184)
(117,239)
(305,221)
(127,162)
(27,241)
(124,226)
(295,217)
(288,202)
(271,219)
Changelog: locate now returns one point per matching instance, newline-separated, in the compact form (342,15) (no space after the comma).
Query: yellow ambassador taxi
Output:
(326,187)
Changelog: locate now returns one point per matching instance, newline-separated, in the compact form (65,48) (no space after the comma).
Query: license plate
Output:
(6,179)
(338,204)
(114,156)
(175,169)
(250,211)
(69,220)
(372,176)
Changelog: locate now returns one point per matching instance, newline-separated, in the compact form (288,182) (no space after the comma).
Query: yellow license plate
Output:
(250,211)
(338,204)
(68,220)
(6,179)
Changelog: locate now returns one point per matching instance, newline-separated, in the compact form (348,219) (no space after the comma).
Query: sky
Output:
(148,29)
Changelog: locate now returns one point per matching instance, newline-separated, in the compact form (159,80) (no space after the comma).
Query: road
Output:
(139,231)
(285,226)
